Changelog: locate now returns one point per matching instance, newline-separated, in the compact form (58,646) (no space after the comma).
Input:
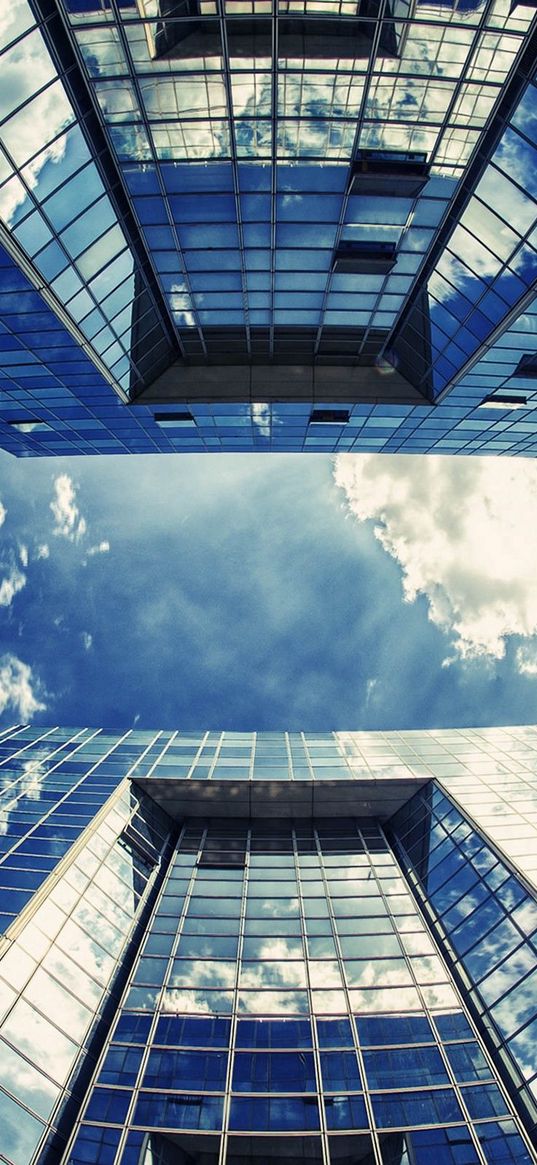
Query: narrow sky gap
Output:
(277,592)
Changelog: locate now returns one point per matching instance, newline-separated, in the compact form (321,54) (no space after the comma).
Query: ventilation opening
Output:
(29,426)
(389,173)
(329,417)
(175,420)
(504,400)
(527,365)
(364,258)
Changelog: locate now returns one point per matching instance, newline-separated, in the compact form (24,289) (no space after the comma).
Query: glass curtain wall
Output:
(486,919)
(52,784)
(61,969)
(289,1004)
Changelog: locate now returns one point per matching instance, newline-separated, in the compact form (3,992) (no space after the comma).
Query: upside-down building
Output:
(268,948)
(268,224)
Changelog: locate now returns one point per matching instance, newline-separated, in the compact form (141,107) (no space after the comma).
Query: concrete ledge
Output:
(281,799)
(278,382)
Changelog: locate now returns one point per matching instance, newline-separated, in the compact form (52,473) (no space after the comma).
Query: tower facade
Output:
(255,225)
(248,947)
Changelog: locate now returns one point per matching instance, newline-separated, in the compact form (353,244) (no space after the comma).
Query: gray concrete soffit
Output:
(376,798)
(279,382)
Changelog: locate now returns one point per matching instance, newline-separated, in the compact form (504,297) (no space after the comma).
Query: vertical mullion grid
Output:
(312,1018)
(135,1088)
(235,1004)
(69,792)
(226,72)
(30,743)
(425,1006)
(273,169)
(35,760)
(64,75)
(442,231)
(345,200)
(431,930)
(461,81)
(345,989)
(133,77)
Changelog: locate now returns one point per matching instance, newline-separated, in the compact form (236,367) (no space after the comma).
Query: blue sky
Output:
(268,592)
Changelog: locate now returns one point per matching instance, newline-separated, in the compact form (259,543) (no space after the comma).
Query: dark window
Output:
(205,1071)
(506,400)
(329,417)
(416,1108)
(527,365)
(274,1114)
(191,1032)
(133,1028)
(397,1029)
(340,1071)
(175,420)
(179,1112)
(334,1033)
(386,172)
(273,1033)
(355,257)
(29,425)
(450,1146)
(404,1067)
(274,1072)
(345,1112)
(283,1150)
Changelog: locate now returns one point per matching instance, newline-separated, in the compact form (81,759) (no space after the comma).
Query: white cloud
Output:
(526,659)
(181,304)
(23,555)
(68,521)
(371,692)
(463,533)
(101,548)
(3,513)
(31,779)
(87,640)
(10,586)
(43,551)
(30,782)
(25,69)
(261,417)
(17,688)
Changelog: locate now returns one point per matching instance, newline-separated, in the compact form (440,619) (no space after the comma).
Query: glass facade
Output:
(486,919)
(353,986)
(61,966)
(293,992)
(193,195)
(52,786)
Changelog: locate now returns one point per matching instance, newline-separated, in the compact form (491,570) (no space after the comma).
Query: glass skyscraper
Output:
(268,224)
(249,948)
